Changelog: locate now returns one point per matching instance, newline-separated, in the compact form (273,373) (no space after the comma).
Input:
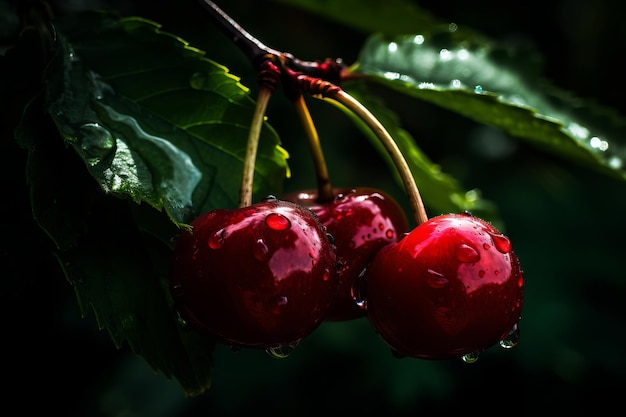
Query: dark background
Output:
(566,223)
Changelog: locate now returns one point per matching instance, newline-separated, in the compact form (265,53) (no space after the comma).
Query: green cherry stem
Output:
(249,162)
(419,212)
(326,90)
(324,187)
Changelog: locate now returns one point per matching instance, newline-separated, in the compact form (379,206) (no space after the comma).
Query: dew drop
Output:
(436,279)
(217,239)
(281,352)
(512,338)
(269,198)
(466,253)
(277,221)
(502,243)
(326,275)
(198,81)
(260,250)
(358,291)
(177,290)
(389,234)
(471,357)
(96,142)
(181,321)
(486,246)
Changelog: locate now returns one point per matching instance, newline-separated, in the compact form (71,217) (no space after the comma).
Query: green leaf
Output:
(440,192)
(117,270)
(153,118)
(500,87)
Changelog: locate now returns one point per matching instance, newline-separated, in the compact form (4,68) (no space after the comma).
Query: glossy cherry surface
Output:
(361,220)
(260,276)
(451,287)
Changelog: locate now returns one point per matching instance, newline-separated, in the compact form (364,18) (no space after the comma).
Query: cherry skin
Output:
(261,276)
(451,287)
(361,220)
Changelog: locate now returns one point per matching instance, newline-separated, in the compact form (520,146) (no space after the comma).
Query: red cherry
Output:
(361,221)
(260,276)
(451,287)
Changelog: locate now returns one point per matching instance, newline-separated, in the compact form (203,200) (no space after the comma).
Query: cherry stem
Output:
(419,212)
(325,89)
(324,187)
(249,162)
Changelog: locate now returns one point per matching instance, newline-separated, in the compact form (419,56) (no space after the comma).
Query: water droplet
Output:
(177,290)
(436,280)
(478,89)
(358,291)
(471,357)
(326,275)
(217,239)
(487,246)
(277,221)
(389,234)
(466,253)
(270,198)
(260,250)
(198,80)
(331,238)
(181,321)
(96,142)
(512,338)
(281,352)
(501,242)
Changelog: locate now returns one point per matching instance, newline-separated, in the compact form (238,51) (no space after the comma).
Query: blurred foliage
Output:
(564,219)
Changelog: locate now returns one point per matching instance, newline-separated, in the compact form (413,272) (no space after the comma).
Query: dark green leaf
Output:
(153,118)
(116,268)
(499,87)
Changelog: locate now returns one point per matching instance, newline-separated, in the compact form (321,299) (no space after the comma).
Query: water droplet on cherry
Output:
(471,357)
(512,339)
(467,254)
(358,291)
(281,352)
(277,221)
(436,280)
(217,239)
(502,243)
(260,250)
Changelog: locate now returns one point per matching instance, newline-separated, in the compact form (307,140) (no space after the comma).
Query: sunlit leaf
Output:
(495,86)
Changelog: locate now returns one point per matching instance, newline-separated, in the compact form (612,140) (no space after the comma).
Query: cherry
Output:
(451,287)
(258,276)
(361,221)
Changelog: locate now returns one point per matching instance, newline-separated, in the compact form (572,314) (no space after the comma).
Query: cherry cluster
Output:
(266,275)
